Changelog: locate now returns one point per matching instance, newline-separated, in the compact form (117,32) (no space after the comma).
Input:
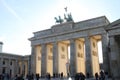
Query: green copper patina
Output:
(59,19)
(67,17)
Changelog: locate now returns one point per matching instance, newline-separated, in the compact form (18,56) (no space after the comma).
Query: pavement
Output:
(66,79)
(59,79)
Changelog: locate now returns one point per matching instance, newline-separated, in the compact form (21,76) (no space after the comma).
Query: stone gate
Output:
(52,48)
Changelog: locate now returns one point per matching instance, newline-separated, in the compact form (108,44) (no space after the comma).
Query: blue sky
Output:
(20,18)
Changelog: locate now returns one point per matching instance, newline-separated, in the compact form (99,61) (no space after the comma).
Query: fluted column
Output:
(72,57)
(88,56)
(33,60)
(55,58)
(44,60)
(114,58)
(106,64)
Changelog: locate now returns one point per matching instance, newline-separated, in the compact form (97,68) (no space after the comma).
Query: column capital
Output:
(55,43)
(87,37)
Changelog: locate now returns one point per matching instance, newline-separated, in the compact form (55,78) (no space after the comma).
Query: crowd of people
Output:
(102,76)
(78,76)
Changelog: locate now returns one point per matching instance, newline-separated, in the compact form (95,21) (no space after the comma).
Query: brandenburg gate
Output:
(70,48)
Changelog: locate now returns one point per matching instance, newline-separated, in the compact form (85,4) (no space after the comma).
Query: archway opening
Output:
(64,56)
(100,52)
(38,59)
(50,59)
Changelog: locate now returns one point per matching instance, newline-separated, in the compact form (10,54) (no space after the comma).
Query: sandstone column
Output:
(43,60)
(113,58)
(55,58)
(72,57)
(33,60)
(106,64)
(88,56)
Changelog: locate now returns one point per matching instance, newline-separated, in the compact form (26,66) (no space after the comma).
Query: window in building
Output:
(11,63)
(24,70)
(19,70)
(3,70)
(10,72)
(3,62)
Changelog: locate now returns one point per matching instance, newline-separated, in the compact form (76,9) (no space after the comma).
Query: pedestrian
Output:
(102,75)
(96,76)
